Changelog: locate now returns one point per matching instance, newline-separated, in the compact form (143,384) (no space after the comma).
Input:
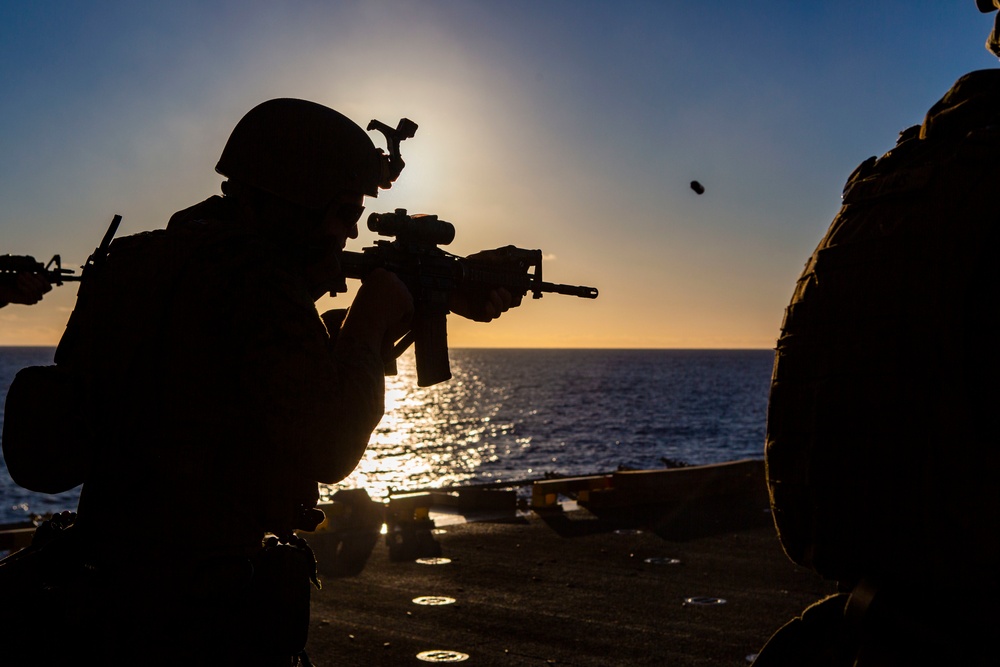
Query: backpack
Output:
(54,415)
(46,436)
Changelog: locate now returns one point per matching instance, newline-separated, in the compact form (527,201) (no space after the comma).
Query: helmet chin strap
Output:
(392,164)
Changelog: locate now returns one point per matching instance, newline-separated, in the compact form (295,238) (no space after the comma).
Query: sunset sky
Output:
(570,126)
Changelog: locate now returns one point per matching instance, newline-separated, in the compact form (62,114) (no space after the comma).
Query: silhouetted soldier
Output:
(218,397)
(882,450)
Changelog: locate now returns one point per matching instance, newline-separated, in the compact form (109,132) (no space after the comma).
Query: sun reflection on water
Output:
(430,436)
(514,415)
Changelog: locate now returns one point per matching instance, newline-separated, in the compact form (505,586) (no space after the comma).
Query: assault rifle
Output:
(11,265)
(431,274)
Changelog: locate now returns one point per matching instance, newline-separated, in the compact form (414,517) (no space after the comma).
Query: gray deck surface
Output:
(572,588)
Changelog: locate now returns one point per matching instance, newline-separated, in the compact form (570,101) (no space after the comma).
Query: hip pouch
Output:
(283,574)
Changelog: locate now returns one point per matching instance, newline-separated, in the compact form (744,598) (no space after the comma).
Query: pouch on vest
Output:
(47,442)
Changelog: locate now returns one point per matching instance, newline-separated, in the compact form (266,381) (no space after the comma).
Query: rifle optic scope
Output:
(418,228)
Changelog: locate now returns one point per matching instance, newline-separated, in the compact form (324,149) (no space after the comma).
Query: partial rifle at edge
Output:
(11,265)
(431,274)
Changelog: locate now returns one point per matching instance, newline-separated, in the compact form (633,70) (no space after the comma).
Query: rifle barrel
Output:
(581,291)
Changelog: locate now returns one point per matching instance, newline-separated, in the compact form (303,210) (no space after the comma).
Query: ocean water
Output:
(514,415)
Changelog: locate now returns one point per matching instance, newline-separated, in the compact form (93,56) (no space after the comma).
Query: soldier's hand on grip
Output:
(484,304)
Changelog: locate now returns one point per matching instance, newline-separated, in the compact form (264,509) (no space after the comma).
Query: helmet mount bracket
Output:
(392,164)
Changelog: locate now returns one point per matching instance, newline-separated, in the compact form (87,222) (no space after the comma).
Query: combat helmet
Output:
(303,152)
